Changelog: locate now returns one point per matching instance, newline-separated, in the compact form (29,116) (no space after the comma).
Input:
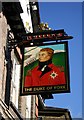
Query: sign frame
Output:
(55,89)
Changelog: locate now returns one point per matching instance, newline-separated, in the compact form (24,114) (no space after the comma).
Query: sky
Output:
(67,16)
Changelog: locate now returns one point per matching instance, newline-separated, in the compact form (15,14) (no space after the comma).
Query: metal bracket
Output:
(11,42)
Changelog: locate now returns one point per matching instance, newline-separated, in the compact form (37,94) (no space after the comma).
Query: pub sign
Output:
(45,69)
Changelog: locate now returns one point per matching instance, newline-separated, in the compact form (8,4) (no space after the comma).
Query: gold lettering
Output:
(59,87)
(39,89)
(28,89)
(49,88)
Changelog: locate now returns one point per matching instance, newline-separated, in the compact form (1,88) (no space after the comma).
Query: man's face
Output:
(43,56)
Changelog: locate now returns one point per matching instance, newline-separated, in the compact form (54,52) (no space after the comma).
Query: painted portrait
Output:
(46,68)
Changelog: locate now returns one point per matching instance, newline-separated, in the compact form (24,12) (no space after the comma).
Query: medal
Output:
(53,74)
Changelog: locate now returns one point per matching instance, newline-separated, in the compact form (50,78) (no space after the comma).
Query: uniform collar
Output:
(42,64)
(44,67)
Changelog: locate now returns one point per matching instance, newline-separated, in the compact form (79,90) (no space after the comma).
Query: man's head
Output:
(45,54)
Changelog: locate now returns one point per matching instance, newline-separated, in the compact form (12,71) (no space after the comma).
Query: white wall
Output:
(28,104)
(15,83)
(26,16)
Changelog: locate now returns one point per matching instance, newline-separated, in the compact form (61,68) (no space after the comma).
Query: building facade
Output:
(12,105)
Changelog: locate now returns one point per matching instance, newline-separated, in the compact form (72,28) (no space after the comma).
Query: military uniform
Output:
(50,75)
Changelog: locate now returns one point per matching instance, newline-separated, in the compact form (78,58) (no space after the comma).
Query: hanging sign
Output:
(45,69)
